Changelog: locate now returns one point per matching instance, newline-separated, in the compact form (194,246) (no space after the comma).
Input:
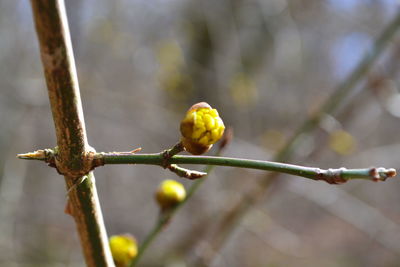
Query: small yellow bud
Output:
(201,128)
(123,249)
(342,142)
(170,193)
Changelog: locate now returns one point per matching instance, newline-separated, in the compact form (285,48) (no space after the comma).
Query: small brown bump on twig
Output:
(381,174)
(169,153)
(373,172)
(391,173)
(186,173)
(331,176)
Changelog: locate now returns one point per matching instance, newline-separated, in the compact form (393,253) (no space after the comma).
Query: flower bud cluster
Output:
(201,128)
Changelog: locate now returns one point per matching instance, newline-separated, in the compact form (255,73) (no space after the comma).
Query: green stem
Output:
(331,176)
(161,222)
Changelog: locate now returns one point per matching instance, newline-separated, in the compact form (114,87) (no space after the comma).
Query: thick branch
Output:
(61,78)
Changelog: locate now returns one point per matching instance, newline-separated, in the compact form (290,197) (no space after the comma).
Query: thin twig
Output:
(331,176)
(154,232)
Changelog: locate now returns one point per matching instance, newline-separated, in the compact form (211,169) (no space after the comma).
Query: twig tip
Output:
(381,174)
(38,155)
(391,173)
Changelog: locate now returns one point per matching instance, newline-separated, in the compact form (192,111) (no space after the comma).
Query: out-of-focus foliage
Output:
(265,65)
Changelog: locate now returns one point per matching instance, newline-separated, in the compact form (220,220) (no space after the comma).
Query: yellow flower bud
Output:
(123,249)
(170,193)
(201,128)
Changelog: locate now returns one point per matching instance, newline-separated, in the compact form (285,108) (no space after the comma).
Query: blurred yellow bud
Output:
(243,90)
(201,128)
(273,139)
(342,142)
(170,193)
(123,249)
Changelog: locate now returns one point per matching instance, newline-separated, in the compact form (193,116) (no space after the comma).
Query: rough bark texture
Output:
(62,83)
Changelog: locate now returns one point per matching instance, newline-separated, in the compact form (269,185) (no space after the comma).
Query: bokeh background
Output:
(266,66)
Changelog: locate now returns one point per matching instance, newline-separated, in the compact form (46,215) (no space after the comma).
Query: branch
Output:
(331,176)
(62,83)
(161,222)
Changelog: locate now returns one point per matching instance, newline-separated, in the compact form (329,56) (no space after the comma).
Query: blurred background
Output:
(266,66)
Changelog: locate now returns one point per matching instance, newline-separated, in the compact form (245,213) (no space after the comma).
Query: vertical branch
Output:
(62,83)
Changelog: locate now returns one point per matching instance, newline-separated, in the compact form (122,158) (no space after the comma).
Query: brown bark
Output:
(62,83)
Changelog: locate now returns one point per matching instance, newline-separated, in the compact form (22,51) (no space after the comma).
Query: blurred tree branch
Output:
(232,217)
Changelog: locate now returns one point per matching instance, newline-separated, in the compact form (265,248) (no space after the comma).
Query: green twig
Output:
(332,176)
(160,224)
